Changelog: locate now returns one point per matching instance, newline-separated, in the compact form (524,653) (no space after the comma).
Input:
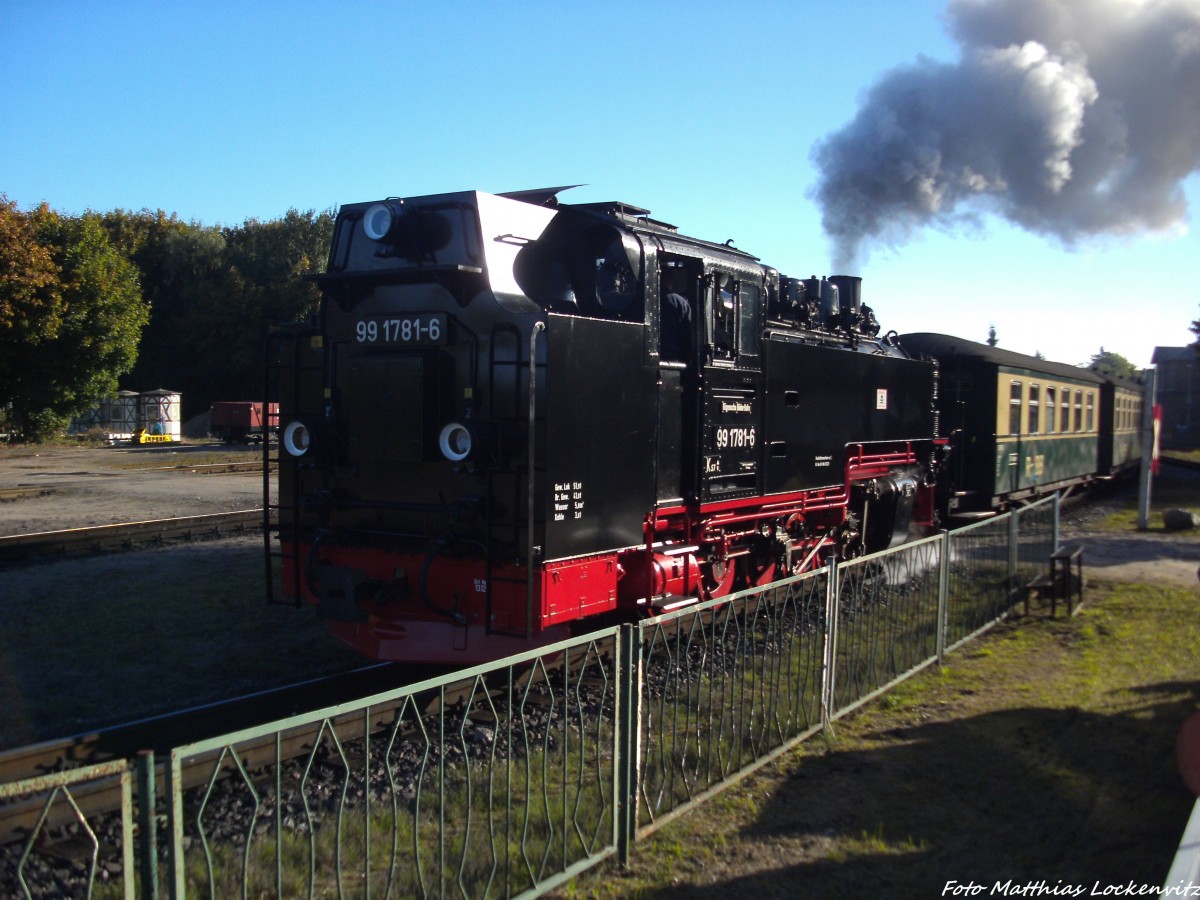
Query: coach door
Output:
(677,340)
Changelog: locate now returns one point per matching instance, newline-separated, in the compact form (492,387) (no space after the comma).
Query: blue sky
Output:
(705,113)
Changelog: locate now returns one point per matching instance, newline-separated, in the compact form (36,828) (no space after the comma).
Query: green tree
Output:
(99,319)
(260,283)
(214,293)
(181,266)
(1108,363)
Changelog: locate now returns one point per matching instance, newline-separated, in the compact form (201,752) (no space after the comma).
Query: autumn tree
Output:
(88,316)
(30,302)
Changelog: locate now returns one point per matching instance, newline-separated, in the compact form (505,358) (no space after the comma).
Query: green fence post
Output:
(175,860)
(629,696)
(1014,537)
(147,825)
(943,596)
(830,637)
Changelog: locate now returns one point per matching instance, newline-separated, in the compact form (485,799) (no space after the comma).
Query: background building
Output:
(1178,394)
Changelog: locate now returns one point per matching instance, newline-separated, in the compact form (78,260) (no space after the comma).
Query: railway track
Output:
(126,535)
(160,734)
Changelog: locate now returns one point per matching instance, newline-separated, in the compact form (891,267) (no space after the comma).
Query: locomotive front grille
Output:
(385,406)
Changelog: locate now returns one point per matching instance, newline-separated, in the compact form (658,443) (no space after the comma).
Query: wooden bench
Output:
(1064,578)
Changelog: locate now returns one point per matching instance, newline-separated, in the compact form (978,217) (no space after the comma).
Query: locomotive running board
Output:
(669,603)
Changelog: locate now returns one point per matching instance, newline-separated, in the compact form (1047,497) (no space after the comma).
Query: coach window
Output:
(1065,405)
(1015,396)
(1078,411)
(1034,408)
(1050,397)
(1091,419)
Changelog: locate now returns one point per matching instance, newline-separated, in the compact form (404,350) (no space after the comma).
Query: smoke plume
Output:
(1071,118)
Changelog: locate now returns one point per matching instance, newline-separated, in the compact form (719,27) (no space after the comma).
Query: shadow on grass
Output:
(1028,795)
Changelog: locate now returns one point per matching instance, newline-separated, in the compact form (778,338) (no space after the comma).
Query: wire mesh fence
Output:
(886,626)
(980,583)
(71,846)
(492,783)
(724,684)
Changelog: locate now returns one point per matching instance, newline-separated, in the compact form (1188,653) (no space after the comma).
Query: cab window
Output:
(732,323)
(723,322)
(749,299)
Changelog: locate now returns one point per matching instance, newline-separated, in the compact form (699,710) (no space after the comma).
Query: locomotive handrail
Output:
(538,327)
(321,279)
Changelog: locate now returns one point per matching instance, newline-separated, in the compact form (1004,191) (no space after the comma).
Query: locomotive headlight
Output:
(455,442)
(297,438)
(379,220)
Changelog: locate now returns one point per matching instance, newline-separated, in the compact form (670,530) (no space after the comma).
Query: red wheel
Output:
(758,576)
(718,577)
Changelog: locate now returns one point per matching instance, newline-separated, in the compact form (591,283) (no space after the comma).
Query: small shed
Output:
(159,416)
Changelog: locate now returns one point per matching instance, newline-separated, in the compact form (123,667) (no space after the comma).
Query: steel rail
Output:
(221,468)
(21,491)
(93,539)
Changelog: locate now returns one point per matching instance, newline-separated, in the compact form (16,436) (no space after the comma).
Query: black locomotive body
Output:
(513,415)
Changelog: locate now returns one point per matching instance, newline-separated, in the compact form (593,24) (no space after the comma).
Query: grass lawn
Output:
(1043,752)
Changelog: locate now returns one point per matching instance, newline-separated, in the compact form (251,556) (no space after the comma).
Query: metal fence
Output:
(511,778)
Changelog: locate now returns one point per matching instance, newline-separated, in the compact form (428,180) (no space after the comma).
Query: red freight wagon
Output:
(241,421)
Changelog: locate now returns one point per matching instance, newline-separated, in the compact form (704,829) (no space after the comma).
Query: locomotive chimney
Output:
(830,303)
(849,291)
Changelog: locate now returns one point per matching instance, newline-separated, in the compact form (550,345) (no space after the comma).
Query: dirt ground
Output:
(105,485)
(84,486)
(1147,558)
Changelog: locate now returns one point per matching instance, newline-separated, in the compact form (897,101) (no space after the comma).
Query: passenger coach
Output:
(1018,426)
(1120,425)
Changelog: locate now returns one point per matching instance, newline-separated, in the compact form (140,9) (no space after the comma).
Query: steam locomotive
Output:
(513,417)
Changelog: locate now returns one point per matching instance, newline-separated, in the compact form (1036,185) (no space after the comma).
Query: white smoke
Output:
(1070,118)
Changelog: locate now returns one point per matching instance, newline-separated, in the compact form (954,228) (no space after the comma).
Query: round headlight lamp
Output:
(455,442)
(380,219)
(297,438)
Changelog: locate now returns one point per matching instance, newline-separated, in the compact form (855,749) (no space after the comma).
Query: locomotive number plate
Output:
(420,329)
